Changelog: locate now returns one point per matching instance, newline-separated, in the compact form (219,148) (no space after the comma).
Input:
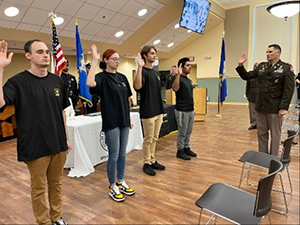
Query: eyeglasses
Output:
(116,59)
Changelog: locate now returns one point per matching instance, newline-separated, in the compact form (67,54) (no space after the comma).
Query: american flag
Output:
(59,61)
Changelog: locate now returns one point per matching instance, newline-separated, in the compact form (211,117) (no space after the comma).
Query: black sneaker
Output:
(157,166)
(182,155)
(60,222)
(148,170)
(189,152)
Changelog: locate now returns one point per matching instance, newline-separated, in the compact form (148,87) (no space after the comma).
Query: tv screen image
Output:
(194,15)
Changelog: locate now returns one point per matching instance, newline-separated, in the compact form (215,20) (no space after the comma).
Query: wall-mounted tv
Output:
(194,15)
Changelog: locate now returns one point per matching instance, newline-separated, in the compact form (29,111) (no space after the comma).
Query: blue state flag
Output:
(84,92)
(223,88)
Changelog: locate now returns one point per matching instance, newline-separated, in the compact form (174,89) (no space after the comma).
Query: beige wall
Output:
(236,36)
(295,57)
(207,45)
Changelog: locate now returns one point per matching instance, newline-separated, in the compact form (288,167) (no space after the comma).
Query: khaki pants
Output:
(50,168)
(266,123)
(151,127)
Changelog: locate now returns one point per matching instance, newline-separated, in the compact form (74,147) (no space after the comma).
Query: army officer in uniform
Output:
(275,91)
(70,85)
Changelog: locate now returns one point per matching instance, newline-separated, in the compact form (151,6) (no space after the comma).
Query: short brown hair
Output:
(146,49)
(27,46)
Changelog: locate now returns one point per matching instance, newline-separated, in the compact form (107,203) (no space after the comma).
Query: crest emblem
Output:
(102,141)
(56,92)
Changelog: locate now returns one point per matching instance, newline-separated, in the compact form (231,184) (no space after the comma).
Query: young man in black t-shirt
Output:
(147,83)
(184,109)
(39,99)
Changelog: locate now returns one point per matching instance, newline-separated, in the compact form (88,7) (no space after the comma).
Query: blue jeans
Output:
(116,140)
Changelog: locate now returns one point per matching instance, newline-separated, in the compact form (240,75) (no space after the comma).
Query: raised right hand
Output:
(95,54)
(4,59)
(140,61)
(180,69)
(243,59)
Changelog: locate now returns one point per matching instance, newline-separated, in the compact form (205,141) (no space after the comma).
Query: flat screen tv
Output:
(194,15)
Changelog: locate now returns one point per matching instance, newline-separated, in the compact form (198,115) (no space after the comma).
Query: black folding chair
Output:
(262,160)
(238,206)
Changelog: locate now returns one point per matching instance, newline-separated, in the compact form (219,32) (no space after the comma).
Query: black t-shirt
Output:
(184,95)
(114,91)
(151,101)
(39,103)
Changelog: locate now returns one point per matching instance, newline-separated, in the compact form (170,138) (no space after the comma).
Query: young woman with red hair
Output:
(114,91)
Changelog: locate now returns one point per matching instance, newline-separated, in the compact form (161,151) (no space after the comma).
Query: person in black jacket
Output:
(70,85)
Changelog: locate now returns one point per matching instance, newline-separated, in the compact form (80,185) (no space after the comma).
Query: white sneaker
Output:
(125,189)
(60,222)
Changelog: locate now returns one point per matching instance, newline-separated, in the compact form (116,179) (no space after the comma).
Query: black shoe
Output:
(181,154)
(252,127)
(148,169)
(189,152)
(157,166)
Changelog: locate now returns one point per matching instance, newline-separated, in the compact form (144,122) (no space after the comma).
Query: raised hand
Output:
(4,59)
(180,69)
(95,54)
(243,58)
(140,61)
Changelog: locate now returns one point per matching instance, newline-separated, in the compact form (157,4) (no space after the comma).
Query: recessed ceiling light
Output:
(58,20)
(170,44)
(156,42)
(189,31)
(119,34)
(11,11)
(176,25)
(142,12)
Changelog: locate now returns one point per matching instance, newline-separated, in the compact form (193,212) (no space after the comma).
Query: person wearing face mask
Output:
(114,91)
(184,109)
(70,84)
(275,90)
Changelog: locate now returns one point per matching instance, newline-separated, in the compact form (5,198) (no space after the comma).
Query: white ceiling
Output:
(98,20)
(169,35)
(231,2)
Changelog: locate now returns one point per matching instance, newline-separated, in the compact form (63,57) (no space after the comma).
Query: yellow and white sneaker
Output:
(125,189)
(115,194)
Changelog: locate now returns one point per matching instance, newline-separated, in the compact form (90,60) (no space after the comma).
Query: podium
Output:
(170,97)
(200,104)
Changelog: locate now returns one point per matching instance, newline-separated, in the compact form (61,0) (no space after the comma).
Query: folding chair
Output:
(238,206)
(262,160)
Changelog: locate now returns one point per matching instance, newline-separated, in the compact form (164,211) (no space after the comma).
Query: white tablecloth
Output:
(88,143)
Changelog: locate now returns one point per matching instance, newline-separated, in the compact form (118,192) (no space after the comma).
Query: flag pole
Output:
(219,115)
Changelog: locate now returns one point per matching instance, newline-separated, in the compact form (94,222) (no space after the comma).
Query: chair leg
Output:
(216,220)
(241,179)
(269,218)
(290,181)
(200,216)
(248,175)
(284,198)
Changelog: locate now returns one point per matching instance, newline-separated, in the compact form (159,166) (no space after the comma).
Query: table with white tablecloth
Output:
(88,143)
